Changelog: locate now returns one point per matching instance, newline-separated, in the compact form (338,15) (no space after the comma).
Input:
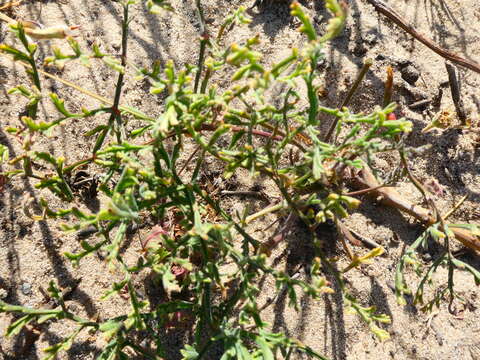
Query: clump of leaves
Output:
(145,182)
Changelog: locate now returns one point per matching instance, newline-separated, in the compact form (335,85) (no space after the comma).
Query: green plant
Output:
(144,181)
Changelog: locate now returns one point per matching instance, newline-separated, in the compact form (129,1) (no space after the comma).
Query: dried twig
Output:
(357,240)
(420,103)
(393,16)
(369,243)
(391,197)
(279,235)
(457,205)
(6,18)
(364,191)
(204,39)
(455,89)
(344,233)
(257,194)
(10,4)
(351,92)
(188,160)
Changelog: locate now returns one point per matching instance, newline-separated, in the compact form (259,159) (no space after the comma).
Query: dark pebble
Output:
(410,74)
(427,257)
(360,49)
(26,289)
(403,62)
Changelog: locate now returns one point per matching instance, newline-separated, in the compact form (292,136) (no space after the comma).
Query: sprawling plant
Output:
(192,241)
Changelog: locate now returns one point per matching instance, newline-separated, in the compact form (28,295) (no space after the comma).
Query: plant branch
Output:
(349,96)
(204,39)
(455,90)
(269,210)
(115,115)
(391,197)
(393,16)
(457,205)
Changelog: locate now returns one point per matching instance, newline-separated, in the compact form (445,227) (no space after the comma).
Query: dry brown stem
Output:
(393,16)
(391,197)
(10,4)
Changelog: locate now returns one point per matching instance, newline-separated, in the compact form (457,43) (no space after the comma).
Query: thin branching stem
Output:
(116,115)
(204,40)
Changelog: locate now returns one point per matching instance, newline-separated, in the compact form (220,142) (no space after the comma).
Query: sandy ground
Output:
(30,252)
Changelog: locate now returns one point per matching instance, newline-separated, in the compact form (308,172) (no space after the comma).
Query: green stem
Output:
(36,77)
(269,210)
(203,45)
(115,114)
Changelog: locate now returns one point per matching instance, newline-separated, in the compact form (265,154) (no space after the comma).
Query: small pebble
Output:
(403,62)
(26,289)
(427,257)
(410,74)
(3,294)
(360,49)
(371,38)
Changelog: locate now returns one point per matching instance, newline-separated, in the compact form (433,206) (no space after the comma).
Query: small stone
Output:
(360,49)
(26,289)
(371,38)
(116,45)
(427,257)
(410,74)
(3,294)
(403,62)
